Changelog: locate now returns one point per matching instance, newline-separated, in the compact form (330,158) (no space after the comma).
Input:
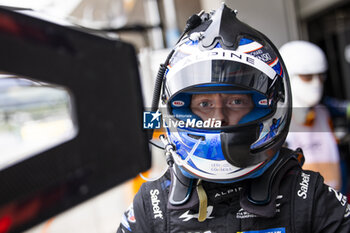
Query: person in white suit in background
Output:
(311,126)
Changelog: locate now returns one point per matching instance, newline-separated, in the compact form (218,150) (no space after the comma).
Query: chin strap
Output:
(203,202)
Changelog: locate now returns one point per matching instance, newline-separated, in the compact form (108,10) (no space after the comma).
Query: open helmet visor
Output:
(232,76)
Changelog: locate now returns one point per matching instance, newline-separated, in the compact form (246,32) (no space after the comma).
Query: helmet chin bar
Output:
(234,173)
(236,146)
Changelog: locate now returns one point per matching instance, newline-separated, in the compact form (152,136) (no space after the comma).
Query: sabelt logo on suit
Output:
(157,212)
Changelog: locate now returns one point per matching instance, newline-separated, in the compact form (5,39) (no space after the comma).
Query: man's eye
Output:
(236,102)
(204,104)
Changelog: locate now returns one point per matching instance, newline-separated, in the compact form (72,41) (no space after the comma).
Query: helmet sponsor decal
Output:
(265,54)
(219,169)
(249,46)
(263,102)
(221,54)
(187,216)
(178,103)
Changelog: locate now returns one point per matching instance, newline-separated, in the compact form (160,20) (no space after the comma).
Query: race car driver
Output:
(225,99)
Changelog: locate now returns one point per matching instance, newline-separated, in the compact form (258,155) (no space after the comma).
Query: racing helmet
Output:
(305,58)
(223,58)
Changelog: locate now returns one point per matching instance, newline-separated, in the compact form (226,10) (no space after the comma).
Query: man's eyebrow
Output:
(240,95)
(202,95)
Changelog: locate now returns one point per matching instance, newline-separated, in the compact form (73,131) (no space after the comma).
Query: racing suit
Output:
(303,203)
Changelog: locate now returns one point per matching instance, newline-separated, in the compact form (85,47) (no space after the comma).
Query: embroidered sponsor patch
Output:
(271,230)
(244,214)
(187,216)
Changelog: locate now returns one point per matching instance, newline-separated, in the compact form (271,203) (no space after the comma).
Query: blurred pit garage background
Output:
(36,116)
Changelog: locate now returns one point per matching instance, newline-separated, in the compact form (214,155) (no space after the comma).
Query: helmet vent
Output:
(196,136)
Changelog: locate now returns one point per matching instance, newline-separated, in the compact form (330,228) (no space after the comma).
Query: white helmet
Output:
(304,58)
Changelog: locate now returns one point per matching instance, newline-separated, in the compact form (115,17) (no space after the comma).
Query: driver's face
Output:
(227,108)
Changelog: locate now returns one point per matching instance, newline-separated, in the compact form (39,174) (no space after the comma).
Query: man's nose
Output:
(219,115)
